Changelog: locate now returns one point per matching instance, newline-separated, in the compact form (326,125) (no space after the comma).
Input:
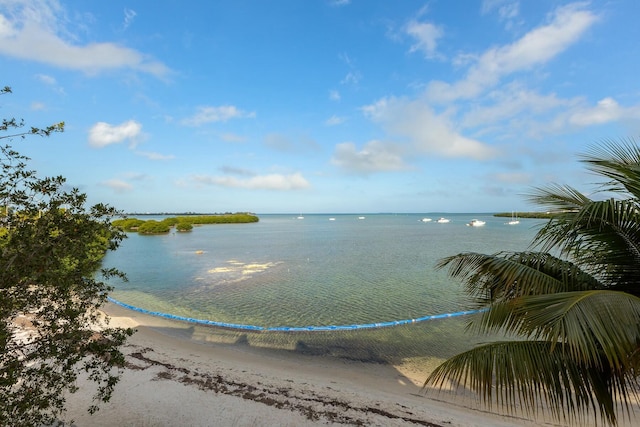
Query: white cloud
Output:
(537,47)
(511,101)
(33,30)
(607,110)
(155,156)
(129,16)
(232,137)
(512,178)
(352,78)
(118,185)
(426,36)
(48,80)
(375,156)
(232,170)
(102,134)
(37,106)
(426,131)
(334,95)
(508,10)
(285,143)
(209,114)
(335,120)
(277,182)
(279,142)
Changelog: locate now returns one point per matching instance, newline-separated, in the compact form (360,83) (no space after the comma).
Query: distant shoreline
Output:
(535,215)
(499,214)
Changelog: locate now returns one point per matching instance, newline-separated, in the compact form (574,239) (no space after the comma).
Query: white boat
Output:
(360,217)
(476,223)
(443,220)
(300,217)
(332,219)
(514,220)
(426,220)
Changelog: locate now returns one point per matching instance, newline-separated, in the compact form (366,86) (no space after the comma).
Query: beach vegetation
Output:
(153,226)
(52,331)
(171,221)
(228,218)
(184,226)
(571,302)
(127,224)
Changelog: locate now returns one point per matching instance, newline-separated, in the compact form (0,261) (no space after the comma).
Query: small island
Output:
(181,223)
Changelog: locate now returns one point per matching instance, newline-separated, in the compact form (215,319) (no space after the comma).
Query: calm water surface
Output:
(320,270)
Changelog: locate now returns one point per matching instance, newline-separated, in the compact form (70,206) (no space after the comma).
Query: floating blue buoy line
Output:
(295,328)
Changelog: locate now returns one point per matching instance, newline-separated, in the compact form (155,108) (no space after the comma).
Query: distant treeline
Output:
(181,223)
(543,215)
(134,214)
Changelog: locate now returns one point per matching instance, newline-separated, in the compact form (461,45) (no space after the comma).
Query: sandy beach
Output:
(175,379)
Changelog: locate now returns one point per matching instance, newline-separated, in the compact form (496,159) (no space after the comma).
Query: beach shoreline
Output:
(173,379)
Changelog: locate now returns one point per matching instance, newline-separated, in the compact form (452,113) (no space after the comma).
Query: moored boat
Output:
(514,219)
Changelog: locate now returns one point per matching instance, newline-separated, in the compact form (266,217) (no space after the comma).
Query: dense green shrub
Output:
(51,290)
(235,218)
(171,221)
(128,224)
(153,227)
(182,223)
(184,226)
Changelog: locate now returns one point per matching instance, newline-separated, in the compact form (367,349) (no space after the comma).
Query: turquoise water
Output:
(285,271)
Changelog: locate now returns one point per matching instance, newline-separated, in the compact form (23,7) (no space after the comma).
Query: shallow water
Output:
(284,271)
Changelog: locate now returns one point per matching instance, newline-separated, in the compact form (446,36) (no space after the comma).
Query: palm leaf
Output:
(619,161)
(603,237)
(558,198)
(574,302)
(524,373)
(512,274)
(590,324)
(499,281)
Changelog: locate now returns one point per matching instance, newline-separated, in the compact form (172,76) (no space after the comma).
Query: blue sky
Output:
(290,106)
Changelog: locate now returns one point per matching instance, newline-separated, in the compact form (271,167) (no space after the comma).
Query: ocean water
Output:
(317,271)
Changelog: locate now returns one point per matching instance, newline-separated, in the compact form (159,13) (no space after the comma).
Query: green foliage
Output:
(127,224)
(154,227)
(234,218)
(171,221)
(184,226)
(182,223)
(576,313)
(51,247)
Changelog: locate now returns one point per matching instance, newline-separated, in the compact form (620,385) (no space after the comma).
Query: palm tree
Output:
(571,303)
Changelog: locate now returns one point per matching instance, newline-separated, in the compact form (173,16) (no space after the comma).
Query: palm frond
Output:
(558,198)
(590,324)
(499,281)
(524,374)
(618,161)
(602,237)
(573,299)
(512,274)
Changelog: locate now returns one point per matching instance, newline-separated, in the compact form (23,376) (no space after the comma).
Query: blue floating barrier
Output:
(295,328)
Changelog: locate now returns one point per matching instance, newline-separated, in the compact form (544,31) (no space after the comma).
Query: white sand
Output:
(176,381)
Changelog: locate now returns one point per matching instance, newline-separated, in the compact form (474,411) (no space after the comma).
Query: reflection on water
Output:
(288,272)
